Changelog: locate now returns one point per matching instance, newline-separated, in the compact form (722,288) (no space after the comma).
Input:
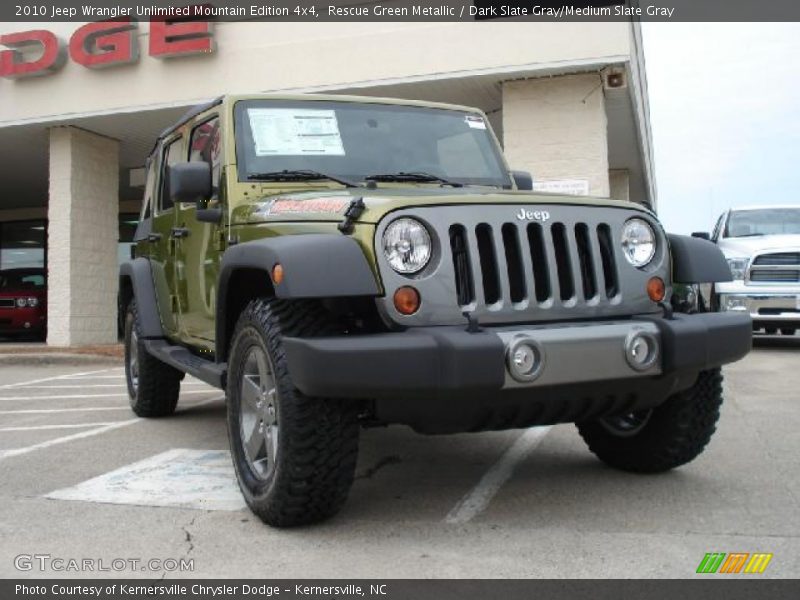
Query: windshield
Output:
(771,221)
(354,141)
(21,280)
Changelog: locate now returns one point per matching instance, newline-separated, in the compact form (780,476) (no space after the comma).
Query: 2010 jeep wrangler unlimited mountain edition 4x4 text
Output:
(335,262)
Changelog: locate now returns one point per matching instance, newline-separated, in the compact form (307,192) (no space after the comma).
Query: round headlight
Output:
(638,242)
(33,302)
(21,302)
(407,245)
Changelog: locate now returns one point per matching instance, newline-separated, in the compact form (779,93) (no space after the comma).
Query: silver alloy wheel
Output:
(133,360)
(626,425)
(258,413)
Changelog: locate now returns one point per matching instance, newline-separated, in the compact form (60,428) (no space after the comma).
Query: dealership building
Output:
(80,108)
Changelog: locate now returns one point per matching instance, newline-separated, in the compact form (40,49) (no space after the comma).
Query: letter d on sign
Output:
(13,63)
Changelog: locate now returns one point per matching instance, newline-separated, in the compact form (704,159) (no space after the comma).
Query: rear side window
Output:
(172,155)
(205,145)
(149,190)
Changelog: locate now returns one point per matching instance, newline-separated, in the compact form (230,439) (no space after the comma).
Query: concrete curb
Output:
(59,358)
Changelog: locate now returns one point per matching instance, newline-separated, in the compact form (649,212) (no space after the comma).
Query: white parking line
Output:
(46,411)
(210,390)
(48,427)
(67,438)
(8,386)
(94,385)
(84,434)
(476,501)
(80,377)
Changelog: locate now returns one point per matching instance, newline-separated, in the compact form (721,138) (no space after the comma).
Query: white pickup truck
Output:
(762,246)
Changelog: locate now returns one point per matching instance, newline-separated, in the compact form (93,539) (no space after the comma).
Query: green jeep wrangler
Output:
(336,262)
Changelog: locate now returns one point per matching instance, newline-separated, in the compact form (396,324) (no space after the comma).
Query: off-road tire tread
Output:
(677,432)
(159,383)
(319,436)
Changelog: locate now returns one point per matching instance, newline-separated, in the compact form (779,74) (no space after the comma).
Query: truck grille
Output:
(515,262)
(776,276)
(776,267)
(779,259)
(505,269)
(7,303)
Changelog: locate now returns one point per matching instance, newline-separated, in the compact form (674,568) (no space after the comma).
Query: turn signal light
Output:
(277,274)
(406,300)
(656,289)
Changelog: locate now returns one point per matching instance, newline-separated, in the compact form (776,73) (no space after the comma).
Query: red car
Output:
(23,302)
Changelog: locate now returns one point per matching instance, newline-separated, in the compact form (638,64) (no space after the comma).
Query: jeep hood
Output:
(747,246)
(330,205)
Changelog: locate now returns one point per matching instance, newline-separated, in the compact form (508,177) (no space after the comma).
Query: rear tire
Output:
(294,455)
(153,386)
(668,436)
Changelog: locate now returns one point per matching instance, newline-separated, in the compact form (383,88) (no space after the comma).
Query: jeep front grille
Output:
(516,265)
(503,270)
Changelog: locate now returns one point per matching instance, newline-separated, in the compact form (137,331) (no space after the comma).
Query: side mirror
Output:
(523,180)
(190,182)
(703,235)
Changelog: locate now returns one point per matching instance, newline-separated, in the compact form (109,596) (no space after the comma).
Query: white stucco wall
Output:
(82,238)
(258,57)
(556,129)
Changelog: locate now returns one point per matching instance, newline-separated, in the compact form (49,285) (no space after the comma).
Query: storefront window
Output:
(22,244)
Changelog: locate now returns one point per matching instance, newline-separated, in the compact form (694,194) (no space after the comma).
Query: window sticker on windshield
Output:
(475,122)
(295,132)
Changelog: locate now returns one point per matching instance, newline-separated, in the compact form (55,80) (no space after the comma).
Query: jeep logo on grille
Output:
(533,215)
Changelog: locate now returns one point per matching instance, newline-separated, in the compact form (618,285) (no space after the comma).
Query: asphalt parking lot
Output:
(83,478)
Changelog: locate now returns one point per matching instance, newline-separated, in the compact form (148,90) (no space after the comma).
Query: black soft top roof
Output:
(190,114)
(187,116)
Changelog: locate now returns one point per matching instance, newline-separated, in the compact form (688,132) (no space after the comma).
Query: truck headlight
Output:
(638,242)
(21,302)
(738,267)
(33,302)
(407,245)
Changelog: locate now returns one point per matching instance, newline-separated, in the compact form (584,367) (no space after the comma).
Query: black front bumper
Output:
(449,361)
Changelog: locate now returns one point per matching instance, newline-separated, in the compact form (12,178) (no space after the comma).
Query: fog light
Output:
(641,350)
(524,360)
(406,300)
(734,303)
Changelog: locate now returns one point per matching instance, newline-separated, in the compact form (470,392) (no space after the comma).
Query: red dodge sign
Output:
(99,45)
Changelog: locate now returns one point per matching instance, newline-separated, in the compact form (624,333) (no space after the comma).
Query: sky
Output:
(725,115)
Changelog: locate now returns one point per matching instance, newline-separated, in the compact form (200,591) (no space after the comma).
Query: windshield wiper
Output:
(299,175)
(749,235)
(415,176)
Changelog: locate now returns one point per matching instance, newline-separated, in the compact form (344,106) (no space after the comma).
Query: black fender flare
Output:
(695,260)
(140,275)
(315,265)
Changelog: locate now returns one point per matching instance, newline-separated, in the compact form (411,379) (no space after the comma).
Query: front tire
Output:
(294,455)
(153,386)
(668,436)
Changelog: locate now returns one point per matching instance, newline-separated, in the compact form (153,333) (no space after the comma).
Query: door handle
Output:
(154,237)
(180,232)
